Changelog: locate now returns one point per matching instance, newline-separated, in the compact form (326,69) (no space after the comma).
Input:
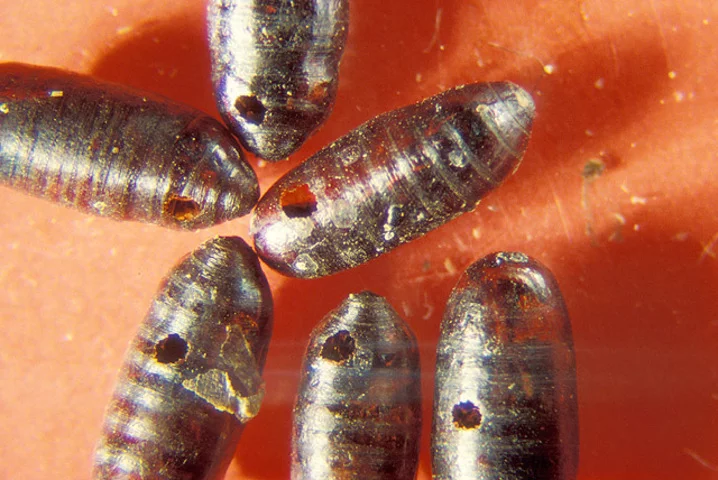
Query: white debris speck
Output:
(305,263)
(636,227)
(56,93)
(429,308)
(343,213)
(124,30)
(672,74)
(99,207)
(4,108)
(635,200)
(350,155)
(449,266)
(678,96)
(549,69)
(599,84)
(283,233)
(589,133)
(524,99)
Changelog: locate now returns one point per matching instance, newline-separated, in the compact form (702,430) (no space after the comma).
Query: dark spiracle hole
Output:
(466,415)
(385,360)
(250,108)
(171,349)
(299,202)
(182,209)
(338,347)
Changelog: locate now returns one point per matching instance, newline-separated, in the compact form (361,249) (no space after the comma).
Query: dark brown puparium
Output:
(505,350)
(275,68)
(109,150)
(192,376)
(358,412)
(394,179)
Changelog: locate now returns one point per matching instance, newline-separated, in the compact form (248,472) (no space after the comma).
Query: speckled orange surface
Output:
(630,85)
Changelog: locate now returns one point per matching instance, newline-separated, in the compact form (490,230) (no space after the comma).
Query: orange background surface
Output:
(629,83)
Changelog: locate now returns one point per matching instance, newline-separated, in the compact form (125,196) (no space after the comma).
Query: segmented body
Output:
(358,412)
(192,375)
(275,68)
(392,180)
(112,151)
(505,404)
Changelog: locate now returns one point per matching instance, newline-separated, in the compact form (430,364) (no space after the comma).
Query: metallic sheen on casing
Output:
(505,403)
(392,180)
(358,413)
(275,68)
(113,151)
(192,375)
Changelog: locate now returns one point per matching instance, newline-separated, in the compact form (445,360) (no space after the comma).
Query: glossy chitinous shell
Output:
(392,180)
(113,151)
(192,375)
(505,403)
(275,68)
(358,412)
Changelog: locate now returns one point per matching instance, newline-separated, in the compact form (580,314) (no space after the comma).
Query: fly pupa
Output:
(392,180)
(113,151)
(358,412)
(275,68)
(505,401)
(192,375)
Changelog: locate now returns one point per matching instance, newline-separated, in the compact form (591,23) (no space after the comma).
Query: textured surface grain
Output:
(505,403)
(393,179)
(275,68)
(116,152)
(192,376)
(358,412)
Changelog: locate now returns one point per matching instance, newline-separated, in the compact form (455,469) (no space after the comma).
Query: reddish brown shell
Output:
(505,402)
(192,376)
(113,151)
(392,180)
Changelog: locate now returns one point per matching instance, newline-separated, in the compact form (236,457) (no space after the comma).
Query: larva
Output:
(358,412)
(392,180)
(192,375)
(275,68)
(116,152)
(505,404)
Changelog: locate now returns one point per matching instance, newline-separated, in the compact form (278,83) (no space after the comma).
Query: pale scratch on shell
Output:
(435,35)
(700,459)
(708,248)
(561,215)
